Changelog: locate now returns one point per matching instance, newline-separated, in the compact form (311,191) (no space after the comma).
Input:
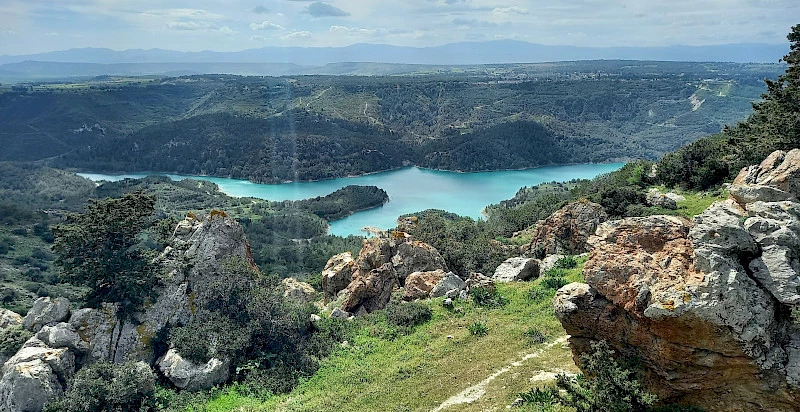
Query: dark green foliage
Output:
(608,385)
(774,125)
(540,397)
(100,249)
(12,338)
(108,387)
(244,317)
(567,262)
(26,188)
(537,293)
(466,245)
(406,315)
(344,202)
(554,283)
(478,328)
(487,297)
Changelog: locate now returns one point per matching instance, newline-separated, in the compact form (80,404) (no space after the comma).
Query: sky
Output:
(33,26)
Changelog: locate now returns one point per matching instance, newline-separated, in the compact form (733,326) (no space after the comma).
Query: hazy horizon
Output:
(37,26)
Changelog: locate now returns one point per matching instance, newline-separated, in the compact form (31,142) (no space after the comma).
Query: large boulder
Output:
(705,304)
(566,231)
(191,376)
(63,335)
(34,376)
(419,285)
(337,274)
(370,291)
(517,269)
(415,256)
(46,311)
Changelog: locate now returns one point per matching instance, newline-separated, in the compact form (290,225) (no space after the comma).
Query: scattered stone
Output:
(190,376)
(517,269)
(339,314)
(450,284)
(448,303)
(62,335)
(315,318)
(668,201)
(478,280)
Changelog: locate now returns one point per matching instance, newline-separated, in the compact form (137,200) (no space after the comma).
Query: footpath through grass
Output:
(383,369)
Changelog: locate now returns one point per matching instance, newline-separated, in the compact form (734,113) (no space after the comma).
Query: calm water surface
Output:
(410,189)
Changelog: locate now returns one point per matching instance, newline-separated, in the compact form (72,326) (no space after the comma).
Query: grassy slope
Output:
(421,370)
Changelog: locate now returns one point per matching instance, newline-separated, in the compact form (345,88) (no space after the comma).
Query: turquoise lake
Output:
(410,189)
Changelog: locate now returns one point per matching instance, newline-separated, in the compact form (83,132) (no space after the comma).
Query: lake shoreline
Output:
(153,173)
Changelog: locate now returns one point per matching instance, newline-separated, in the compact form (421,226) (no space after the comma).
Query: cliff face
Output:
(706,304)
(65,340)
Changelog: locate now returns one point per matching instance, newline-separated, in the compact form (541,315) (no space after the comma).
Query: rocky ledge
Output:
(709,305)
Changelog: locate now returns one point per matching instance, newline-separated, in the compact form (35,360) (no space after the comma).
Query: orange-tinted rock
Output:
(370,291)
(420,284)
(566,231)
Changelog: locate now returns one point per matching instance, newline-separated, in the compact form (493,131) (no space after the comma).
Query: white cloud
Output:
(195,14)
(298,35)
(51,34)
(191,25)
(510,10)
(266,25)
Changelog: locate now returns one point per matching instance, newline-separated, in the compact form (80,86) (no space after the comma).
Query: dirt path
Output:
(475,392)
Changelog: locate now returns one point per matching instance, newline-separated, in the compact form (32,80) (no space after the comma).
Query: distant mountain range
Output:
(308,60)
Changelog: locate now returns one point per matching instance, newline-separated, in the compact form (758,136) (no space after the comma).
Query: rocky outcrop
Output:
(297,291)
(34,376)
(338,273)
(370,291)
(191,376)
(478,281)
(46,311)
(383,265)
(517,269)
(566,231)
(419,285)
(705,304)
(65,340)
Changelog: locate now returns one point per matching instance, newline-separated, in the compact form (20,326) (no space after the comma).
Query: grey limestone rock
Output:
(190,376)
(517,269)
(46,311)
(450,284)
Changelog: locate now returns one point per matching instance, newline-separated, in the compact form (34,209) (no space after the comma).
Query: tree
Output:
(100,249)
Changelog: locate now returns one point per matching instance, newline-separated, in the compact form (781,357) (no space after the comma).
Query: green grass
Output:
(380,369)
(696,202)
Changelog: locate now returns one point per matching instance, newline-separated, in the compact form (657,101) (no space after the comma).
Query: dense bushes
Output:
(108,387)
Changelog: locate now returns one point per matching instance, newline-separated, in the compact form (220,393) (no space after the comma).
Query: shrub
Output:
(487,297)
(554,283)
(12,338)
(608,384)
(408,314)
(567,262)
(108,387)
(478,328)
(537,293)
(540,397)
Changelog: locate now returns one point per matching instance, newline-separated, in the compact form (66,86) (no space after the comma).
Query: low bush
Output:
(540,397)
(554,283)
(487,297)
(535,335)
(478,328)
(567,262)
(12,338)
(108,387)
(537,293)
(408,314)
